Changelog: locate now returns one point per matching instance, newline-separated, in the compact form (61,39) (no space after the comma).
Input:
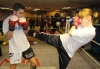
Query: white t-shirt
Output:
(80,36)
(18,43)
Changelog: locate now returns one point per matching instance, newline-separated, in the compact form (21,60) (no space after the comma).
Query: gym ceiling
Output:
(48,5)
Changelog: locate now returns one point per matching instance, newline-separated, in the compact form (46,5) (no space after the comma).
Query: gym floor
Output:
(48,58)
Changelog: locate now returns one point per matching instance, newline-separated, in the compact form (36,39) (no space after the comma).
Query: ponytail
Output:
(95,17)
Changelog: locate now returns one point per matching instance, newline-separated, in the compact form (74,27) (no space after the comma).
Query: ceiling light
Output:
(57,10)
(36,9)
(66,7)
(4,8)
(28,7)
(10,9)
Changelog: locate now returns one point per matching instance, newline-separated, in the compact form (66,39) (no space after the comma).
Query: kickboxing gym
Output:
(56,22)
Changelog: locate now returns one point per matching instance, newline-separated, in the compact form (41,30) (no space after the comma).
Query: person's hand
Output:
(22,22)
(76,21)
(12,21)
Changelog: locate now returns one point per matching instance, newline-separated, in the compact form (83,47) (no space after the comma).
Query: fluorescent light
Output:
(28,7)
(4,8)
(57,10)
(66,7)
(36,9)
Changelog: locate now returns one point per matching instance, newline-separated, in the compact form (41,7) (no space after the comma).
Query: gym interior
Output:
(42,19)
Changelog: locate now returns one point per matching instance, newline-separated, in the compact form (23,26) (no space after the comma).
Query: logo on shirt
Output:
(10,54)
(18,28)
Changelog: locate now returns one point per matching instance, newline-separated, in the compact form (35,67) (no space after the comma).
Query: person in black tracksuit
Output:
(81,33)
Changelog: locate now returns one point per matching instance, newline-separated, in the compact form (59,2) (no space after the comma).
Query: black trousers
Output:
(29,53)
(55,41)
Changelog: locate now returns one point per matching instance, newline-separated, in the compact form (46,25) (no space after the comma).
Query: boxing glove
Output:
(12,21)
(22,22)
(76,21)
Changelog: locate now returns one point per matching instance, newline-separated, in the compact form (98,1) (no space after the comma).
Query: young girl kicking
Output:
(67,44)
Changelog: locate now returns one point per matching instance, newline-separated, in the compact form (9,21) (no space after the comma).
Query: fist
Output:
(23,22)
(76,21)
(12,21)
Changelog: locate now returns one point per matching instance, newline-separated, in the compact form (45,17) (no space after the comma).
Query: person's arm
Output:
(76,23)
(9,35)
(71,30)
(23,23)
(12,21)
(26,31)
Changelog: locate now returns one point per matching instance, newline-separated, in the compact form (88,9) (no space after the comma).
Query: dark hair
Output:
(18,6)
